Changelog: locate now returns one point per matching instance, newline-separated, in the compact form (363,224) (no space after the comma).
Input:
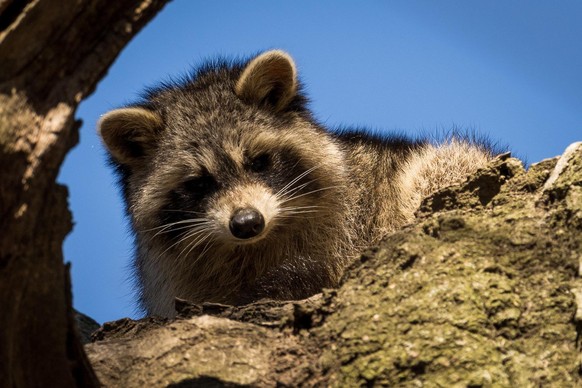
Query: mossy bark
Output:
(477,294)
(480,291)
(52,55)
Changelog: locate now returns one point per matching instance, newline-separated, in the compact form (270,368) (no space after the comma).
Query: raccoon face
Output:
(243,204)
(226,162)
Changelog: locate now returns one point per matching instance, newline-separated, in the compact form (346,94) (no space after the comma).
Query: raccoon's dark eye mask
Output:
(201,185)
(260,163)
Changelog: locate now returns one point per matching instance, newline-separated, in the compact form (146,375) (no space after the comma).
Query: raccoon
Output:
(235,192)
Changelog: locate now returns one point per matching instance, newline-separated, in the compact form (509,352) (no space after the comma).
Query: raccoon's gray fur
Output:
(236,193)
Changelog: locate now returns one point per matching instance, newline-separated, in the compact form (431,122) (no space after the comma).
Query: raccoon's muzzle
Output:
(246,223)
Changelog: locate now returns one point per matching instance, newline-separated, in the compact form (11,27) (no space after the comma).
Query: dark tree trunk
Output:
(52,54)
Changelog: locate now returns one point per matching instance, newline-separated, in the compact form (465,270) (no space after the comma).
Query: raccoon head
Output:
(227,158)
(269,80)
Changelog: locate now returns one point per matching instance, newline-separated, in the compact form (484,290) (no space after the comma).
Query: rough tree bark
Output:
(52,54)
(483,290)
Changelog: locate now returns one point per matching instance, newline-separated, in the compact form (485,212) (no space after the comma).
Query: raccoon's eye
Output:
(260,163)
(202,184)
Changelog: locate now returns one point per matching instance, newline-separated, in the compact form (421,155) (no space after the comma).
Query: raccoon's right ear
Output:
(270,78)
(129,133)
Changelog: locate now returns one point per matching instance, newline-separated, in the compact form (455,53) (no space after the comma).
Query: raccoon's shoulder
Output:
(357,139)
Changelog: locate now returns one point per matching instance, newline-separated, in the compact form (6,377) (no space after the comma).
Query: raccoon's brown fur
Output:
(236,193)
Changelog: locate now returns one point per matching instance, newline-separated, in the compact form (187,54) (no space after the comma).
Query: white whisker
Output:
(190,220)
(196,225)
(295,180)
(285,200)
(194,244)
(195,231)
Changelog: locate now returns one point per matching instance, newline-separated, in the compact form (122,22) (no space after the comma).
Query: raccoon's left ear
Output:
(270,78)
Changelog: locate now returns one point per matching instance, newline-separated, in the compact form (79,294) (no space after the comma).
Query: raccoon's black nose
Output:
(246,223)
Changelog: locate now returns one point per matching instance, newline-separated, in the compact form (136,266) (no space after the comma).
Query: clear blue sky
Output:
(509,69)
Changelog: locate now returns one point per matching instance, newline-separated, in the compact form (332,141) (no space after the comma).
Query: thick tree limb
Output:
(480,291)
